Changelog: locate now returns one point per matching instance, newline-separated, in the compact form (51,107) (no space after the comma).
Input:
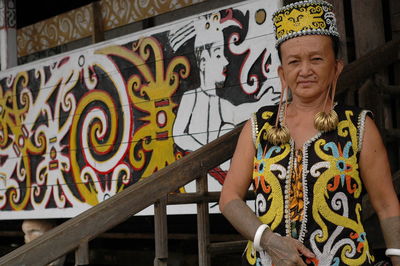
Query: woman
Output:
(310,160)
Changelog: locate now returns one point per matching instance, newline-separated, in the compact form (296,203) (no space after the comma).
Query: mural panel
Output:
(78,128)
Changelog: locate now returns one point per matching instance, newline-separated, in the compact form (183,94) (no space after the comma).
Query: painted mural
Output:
(77,128)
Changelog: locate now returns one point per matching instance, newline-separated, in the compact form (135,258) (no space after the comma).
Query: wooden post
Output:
(98,29)
(161,232)
(368,35)
(82,254)
(203,222)
(8,34)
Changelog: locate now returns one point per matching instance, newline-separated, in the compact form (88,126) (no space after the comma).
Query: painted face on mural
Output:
(213,65)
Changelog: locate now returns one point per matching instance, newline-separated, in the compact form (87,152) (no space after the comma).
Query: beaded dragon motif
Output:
(266,165)
(342,170)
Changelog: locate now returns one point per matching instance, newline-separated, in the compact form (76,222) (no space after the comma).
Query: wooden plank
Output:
(98,29)
(368,25)
(227,247)
(369,34)
(394,6)
(8,35)
(187,198)
(364,99)
(173,236)
(354,74)
(82,254)
(161,232)
(395,22)
(203,223)
(392,90)
(393,133)
(340,20)
(67,236)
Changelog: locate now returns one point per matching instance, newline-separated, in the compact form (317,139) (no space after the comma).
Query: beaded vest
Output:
(332,189)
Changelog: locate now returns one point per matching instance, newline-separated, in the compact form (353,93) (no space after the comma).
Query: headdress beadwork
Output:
(312,17)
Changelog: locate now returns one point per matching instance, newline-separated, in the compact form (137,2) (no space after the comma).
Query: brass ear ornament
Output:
(325,122)
(278,135)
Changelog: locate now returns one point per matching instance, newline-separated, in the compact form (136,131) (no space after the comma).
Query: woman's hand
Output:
(284,250)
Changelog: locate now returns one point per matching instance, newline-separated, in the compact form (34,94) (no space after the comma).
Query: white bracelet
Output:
(392,252)
(257,237)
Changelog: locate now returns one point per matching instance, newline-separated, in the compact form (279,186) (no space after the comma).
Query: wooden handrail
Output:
(104,216)
(358,71)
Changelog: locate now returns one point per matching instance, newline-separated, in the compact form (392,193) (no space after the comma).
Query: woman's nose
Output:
(305,68)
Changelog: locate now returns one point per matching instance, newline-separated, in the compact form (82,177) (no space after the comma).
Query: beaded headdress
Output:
(312,17)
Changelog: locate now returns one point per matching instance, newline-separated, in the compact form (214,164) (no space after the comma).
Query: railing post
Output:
(203,222)
(161,232)
(82,254)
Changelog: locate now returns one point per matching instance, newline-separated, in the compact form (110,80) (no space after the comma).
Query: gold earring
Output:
(278,135)
(325,122)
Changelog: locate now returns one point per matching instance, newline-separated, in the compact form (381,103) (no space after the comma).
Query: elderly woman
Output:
(309,159)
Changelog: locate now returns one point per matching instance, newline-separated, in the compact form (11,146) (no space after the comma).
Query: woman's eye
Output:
(317,59)
(293,62)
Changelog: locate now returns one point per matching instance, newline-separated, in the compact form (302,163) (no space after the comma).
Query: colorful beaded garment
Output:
(324,211)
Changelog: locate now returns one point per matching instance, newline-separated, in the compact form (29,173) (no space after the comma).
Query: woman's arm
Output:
(376,175)
(283,250)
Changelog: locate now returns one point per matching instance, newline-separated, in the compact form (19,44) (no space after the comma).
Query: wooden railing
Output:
(77,232)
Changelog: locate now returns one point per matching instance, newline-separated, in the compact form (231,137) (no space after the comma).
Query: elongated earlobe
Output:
(279,133)
(325,122)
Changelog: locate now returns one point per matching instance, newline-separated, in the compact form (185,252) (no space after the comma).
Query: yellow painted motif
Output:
(151,92)
(87,189)
(14,105)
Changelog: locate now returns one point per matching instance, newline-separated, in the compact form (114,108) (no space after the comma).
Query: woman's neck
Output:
(311,106)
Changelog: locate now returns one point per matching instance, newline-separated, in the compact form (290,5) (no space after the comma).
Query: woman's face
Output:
(308,66)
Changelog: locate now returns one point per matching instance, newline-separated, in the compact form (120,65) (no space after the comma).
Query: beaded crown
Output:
(312,17)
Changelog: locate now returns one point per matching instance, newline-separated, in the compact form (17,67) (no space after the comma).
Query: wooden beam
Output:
(368,25)
(98,29)
(391,90)
(356,73)
(203,223)
(174,236)
(82,254)
(341,25)
(393,133)
(227,247)
(187,198)
(67,236)
(161,232)
(8,34)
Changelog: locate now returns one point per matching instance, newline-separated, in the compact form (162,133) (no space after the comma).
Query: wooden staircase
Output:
(156,189)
